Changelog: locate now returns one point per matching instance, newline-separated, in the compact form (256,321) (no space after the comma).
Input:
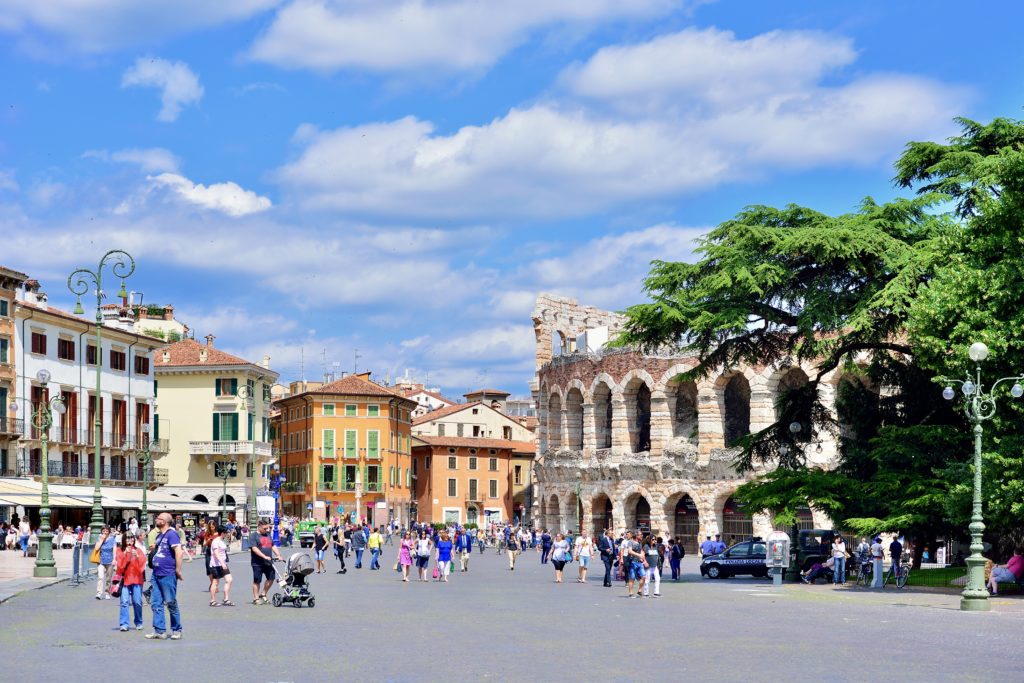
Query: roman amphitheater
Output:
(624,443)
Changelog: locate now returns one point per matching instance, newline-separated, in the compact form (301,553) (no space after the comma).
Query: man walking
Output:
(607,549)
(359,544)
(374,544)
(877,555)
(513,550)
(545,547)
(464,546)
(261,556)
(166,566)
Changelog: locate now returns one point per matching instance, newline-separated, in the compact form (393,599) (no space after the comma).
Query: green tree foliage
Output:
(892,294)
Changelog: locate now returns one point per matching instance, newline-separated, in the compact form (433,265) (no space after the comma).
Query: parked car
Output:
(744,558)
(306,530)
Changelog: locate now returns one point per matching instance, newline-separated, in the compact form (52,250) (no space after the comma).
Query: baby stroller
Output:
(293,585)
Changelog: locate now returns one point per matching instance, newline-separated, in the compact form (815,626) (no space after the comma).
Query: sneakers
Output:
(99,596)
(176,635)
(156,636)
(123,628)
(106,596)
(139,627)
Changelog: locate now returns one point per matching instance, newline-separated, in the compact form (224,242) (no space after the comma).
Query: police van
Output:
(744,558)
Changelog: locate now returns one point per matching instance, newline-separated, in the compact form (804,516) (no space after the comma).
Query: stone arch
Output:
(200,498)
(734,403)
(571,514)
(602,391)
(555,420)
(638,508)
(737,521)
(636,395)
(682,399)
(601,513)
(552,513)
(574,418)
(682,514)
(227,501)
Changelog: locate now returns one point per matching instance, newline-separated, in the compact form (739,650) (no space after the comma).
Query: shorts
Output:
(262,571)
(584,561)
(319,555)
(1003,575)
(559,564)
(422,561)
(636,571)
(219,572)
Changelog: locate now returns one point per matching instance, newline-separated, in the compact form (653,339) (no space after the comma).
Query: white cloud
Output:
(7,181)
(417,35)
(179,86)
(100,25)
(677,114)
(228,198)
(150,159)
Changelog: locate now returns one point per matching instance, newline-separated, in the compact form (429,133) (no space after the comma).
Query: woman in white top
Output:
(839,555)
(559,554)
(219,568)
(423,555)
(584,549)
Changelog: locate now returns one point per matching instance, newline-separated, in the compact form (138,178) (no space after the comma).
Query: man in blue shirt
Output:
(166,564)
(707,547)
(719,546)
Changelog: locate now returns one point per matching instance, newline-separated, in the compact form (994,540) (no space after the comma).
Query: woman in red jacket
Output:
(130,561)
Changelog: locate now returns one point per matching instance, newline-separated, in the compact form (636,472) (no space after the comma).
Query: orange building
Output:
(346,448)
(465,480)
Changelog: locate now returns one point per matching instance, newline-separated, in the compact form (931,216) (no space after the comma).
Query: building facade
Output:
(465,480)
(345,448)
(476,420)
(427,400)
(214,408)
(624,443)
(11,425)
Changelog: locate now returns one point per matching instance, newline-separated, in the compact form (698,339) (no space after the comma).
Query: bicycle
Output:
(900,571)
(864,574)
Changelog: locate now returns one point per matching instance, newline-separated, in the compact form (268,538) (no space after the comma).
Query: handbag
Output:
(436,572)
(94,556)
(396,566)
(115,585)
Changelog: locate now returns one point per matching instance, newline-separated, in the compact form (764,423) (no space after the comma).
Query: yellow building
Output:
(214,409)
(346,448)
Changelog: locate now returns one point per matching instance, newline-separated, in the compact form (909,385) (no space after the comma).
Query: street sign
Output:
(264,505)
(341,508)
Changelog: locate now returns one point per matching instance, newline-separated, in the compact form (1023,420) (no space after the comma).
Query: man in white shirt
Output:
(877,554)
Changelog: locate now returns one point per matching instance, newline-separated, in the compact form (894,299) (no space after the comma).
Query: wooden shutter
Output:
(350,444)
(216,426)
(372,444)
(234,427)
(328,443)
(234,387)
(250,426)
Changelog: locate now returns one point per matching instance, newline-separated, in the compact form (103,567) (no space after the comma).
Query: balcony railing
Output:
(87,437)
(263,449)
(10,426)
(131,472)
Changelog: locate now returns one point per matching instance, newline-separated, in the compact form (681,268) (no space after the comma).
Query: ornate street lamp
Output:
(978,406)
(145,457)
(245,394)
(80,282)
(42,419)
(225,471)
(276,479)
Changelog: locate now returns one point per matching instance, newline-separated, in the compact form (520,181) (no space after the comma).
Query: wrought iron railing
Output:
(130,472)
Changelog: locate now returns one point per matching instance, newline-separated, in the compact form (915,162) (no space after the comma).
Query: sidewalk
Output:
(16,573)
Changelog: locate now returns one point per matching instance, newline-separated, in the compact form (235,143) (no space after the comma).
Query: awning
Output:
(29,493)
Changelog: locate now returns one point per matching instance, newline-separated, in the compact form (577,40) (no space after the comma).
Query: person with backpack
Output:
(676,555)
(359,538)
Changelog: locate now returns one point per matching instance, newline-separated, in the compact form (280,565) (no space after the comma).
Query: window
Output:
(476,430)
(351,410)
(141,365)
(452,465)
(39,343)
(351,444)
(472,462)
(373,444)
(118,360)
(350,477)
(5,308)
(328,476)
(266,392)
(518,476)
(227,387)
(328,443)
(440,429)
(492,465)
(248,470)
(741,550)
(472,489)
(373,478)
(372,411)
(225,426)
(458,429)
(328,410)
(492,488)
(476,411)
(66,349)
(426,463)
(452,488)
(506,433)
(5,345)
(414,465)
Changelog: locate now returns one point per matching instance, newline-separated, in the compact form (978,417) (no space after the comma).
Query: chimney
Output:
(209,340)
(167,356)
(266,362)
(202,355)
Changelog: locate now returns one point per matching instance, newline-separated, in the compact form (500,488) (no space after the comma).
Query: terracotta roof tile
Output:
(476,442)
(354,385)
(488,391)
(444,412)
(186,353)
(433,394)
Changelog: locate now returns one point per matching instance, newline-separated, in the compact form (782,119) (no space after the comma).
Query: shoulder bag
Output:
(153,551)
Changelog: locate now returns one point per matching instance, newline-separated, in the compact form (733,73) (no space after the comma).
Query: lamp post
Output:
(145,458)
(245,394)
(42,419)
(122,265)
(978,406)
(276,479)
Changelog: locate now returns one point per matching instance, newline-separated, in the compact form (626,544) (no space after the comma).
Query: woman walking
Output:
(444,556)
(651,555)
(423,554)
(320,549)
(130,561)
(583,557)
(208,533)
(839,554)
(219,568)
(559,550)
(105,572)
(405,555)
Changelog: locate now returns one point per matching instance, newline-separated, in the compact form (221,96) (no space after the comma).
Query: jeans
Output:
(877,575)
(131,596)
(481,544)
(545,553)
(165,592)
(675,568)
(359,558)
(374,556)
(23,541)
(839,570)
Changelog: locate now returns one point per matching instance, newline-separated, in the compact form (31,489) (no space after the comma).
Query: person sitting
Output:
(1011,572)
(815,570)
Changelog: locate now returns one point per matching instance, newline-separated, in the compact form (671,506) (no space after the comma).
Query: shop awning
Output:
(29,493)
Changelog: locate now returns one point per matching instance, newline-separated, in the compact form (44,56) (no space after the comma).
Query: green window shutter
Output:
(350,443)
(234,427)
(156,426)
(328,443)
(372,445)
(250,426)
(320,478)
(216,426)
(234,387)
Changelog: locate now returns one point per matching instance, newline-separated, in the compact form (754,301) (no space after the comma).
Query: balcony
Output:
(63,436)
(233,448)
(132,473)
(327,486)
(13,427)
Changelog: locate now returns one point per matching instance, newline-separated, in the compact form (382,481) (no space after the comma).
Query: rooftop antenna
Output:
(334,372)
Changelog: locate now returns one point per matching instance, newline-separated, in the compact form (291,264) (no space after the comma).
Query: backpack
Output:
(677,551)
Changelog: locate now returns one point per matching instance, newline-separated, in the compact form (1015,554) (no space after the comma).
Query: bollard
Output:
(777,577)
(76,552)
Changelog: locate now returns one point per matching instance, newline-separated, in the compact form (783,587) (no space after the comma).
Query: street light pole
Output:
(122,266)
(979,406)
(245,394)
(145,457)
(42,419)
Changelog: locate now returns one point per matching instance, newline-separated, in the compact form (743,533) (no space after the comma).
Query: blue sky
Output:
(403,177)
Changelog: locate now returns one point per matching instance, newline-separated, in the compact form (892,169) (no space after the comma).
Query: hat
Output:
(878,539)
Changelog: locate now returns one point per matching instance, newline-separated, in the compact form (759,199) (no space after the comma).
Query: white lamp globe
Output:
(978,352)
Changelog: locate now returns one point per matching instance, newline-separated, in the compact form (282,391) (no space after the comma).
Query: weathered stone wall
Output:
(686,454)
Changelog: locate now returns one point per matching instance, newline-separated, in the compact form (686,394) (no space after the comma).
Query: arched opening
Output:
(574,418)
(553,517)
(637,396)
(601,510)
(682,403)
(736,400)
(226,501)
(603,415)
(792,380)
(201,498)
(638,513)
(686,523)
(737,524)
(471,515)
(804,518)
(554,422)
(572,514)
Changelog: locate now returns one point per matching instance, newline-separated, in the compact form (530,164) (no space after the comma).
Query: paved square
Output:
(494,624)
